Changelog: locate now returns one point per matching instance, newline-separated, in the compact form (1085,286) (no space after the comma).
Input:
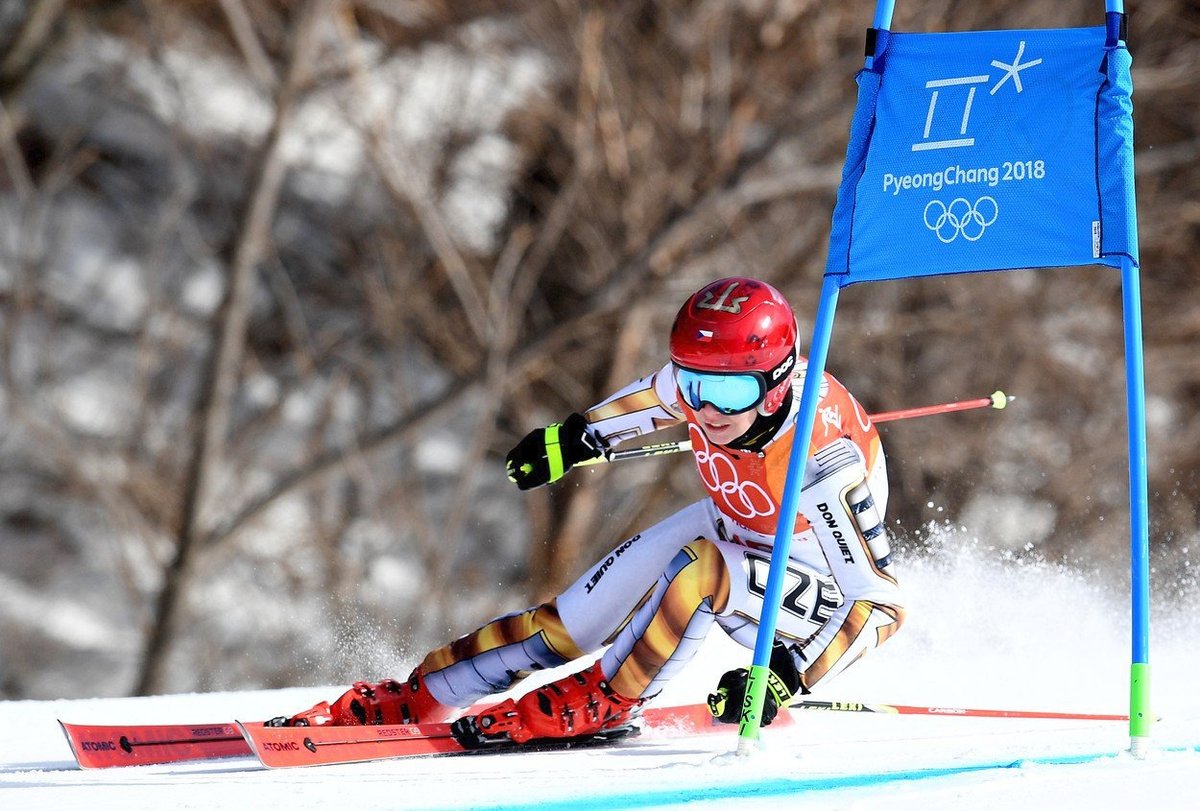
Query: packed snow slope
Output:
(985,630)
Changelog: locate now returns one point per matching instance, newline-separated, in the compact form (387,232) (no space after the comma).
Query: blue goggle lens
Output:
(728,393)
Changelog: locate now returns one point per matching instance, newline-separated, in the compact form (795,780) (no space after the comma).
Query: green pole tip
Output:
(1140,716)
(1000,399)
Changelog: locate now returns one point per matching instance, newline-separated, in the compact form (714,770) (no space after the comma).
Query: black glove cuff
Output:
(578,444)
(783,667)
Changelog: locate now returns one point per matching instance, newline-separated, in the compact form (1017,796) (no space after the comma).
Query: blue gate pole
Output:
(756,686)
(882,22)
(883,14)
(1140,718)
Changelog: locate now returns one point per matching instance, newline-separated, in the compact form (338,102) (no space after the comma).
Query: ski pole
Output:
(906,709)
(997,400)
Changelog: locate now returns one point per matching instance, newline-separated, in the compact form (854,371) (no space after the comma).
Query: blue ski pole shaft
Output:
(756,686)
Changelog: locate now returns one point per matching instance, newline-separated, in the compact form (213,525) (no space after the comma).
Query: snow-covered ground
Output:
(985,631)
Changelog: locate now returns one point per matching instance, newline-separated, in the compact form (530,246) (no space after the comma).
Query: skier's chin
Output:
(721,433)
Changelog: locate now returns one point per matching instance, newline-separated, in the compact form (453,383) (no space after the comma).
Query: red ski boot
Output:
(388,702)
(580,704)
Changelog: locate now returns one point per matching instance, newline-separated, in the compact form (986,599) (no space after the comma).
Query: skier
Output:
(734,377)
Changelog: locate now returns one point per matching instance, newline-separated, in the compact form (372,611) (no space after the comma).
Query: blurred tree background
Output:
(281,282)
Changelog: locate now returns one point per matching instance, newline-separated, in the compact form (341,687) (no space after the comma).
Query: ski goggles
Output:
(730,392)
(727,393)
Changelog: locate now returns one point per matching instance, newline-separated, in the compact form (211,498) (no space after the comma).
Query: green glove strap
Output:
(554,456)
(717,701)
(778,690)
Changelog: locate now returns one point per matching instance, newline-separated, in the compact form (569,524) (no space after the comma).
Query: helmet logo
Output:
(734,306)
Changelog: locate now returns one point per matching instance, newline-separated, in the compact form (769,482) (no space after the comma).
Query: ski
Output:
(98,746)
(285,747)
(289,747)
(101,747)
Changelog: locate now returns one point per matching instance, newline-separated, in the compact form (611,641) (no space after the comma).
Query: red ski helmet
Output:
(738,338)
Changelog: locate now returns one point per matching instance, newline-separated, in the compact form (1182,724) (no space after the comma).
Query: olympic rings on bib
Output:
(740,498)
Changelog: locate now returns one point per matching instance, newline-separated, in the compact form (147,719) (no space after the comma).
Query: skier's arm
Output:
(642,407)
(853,630)
(783,682)
(838,503)
(546,454)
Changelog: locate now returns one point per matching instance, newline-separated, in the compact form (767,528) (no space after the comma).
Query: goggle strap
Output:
(779,373)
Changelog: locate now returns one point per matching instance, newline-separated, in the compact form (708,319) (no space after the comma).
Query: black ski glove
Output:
(545,455)
(783,682)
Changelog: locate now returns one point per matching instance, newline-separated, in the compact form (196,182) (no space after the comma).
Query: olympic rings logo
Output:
(960,218)
(743,499)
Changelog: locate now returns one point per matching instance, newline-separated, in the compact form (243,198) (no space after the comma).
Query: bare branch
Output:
(213,407)
(14,161)
(414,193)
(252,50)
(39,25)
(615,294)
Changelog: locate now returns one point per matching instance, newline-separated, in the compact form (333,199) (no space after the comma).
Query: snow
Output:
(987,630)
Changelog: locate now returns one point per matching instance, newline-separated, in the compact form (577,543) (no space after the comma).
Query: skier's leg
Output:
(582,619)
(604,598)
(494,657)
(669,628)
(485,661)
(824,632)
(846,508)
(854,629)
(662,637)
